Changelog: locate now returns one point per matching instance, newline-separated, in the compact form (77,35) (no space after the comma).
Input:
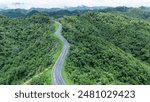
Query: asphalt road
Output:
(56,72)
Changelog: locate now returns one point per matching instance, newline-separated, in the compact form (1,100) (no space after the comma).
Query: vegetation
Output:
(67,80)
(141,12)
(44,78)
(27,47)
(107,46)
(107,49)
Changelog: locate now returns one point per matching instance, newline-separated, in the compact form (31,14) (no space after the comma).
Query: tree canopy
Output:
(107,48)
(26,47)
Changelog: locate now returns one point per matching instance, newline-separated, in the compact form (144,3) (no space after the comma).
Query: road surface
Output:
(56,72)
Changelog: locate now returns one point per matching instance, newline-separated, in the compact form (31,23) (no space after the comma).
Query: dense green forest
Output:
(107,48)
(141,12)
(27,47)
(107,45)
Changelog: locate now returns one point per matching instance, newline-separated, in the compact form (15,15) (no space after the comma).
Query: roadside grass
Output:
(65,76)
(44,78)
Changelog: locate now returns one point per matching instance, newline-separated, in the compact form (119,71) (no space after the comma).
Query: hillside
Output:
(141,12)
(27,47)
(107,49)
(107,45)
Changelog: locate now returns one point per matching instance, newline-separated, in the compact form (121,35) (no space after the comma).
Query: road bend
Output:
(56,72)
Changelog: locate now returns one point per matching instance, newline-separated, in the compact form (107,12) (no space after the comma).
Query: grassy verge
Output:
(44,78)
(65,76)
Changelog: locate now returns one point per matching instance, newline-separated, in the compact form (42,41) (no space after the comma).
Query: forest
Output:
(27,47)
(107,48)
(107,45)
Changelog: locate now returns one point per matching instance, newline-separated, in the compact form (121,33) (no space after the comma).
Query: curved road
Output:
(56,72)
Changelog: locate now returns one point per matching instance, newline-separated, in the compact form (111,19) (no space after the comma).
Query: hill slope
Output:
(107,49)
(27,47)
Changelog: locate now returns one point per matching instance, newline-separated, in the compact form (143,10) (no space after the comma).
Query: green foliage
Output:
(138,13)
(42,79)
(26,47)
(13,12)
(107,49)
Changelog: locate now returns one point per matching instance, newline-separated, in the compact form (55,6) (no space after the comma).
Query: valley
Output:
(88,46)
